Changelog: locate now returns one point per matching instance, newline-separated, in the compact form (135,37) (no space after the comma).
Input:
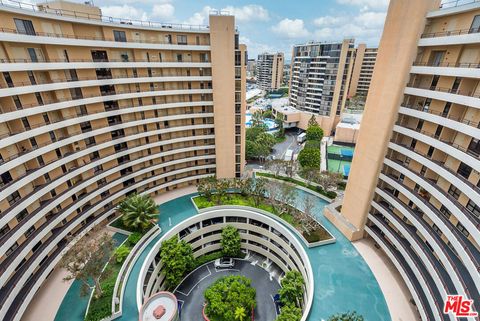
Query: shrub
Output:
(177,258)
(290,313)
(314,133)
(134,238)
(229,294)
(121,253)
(309,158)
(231,242)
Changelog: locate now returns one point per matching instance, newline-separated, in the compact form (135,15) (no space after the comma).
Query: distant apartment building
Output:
(320,76)
(286,74)
(270,71)
(414,184)
(95,108)
(251,67)
(362,70)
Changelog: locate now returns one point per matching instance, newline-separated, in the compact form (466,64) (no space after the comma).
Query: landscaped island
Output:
(265,195)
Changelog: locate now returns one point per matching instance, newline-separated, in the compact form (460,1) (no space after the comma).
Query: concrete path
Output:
(393,287)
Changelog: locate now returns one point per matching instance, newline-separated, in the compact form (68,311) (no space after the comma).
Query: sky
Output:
(268,25)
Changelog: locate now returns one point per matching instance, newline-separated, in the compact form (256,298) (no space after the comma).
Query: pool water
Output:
(343,280)
(271,124)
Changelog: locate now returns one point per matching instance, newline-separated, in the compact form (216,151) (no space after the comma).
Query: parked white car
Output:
(224,263)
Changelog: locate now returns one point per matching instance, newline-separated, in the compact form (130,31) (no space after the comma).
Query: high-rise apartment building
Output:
(362,70)
(94,108)
(319,79)
(251,67)
(270,71)
(414,185)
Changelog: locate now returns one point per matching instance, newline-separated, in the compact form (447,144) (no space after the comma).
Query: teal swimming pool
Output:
(343,280)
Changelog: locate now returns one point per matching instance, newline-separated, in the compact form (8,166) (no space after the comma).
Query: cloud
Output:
(247,13)
(291,28)
(251,12)
(125,12)
(366,26)
(366,4)
(163,11)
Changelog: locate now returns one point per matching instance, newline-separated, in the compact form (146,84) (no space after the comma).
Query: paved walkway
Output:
(49,297)
(393,287)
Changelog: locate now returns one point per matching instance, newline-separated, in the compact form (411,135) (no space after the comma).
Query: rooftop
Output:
(161,299)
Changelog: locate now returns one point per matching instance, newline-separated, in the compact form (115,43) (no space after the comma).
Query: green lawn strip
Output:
(318,189)
(102,307)
(320,234)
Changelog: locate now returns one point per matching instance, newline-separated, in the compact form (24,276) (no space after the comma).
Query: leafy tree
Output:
(314,133)
(252,133)
(206,186)
(257,119)
(134,238)
(276,166)
(177,258)
(309,158)
(138,211)
(349,316)
(121,253)
(312,121)
(290,313)
(312,144)
(85,260)
(266,139)
(258,142)
(258,190)
(227,294)
(240,313)
(268,114)
(287,196)
(231,242)
(292,288)
(279,122)
(221,188)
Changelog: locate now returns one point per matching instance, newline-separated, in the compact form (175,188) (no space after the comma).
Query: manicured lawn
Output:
(318,189)
(320,234)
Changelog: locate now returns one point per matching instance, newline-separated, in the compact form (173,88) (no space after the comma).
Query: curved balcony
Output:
(12,35)
(450,37)
(39,129)
(451,264)
(464,126)
(470,221)
(12,235)
(34,174)
(13,285)
(466,98)
(40,149)
(448,69)
(434,297)
(61,84)
(68,102)
(11,65)
(467,252)
(467,187)
(37,193)
(447,146)
(407,274)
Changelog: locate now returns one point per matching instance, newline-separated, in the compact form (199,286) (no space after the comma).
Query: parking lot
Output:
(191,290)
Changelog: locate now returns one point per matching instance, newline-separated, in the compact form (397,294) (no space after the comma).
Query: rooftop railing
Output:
(99,17)
(456,3)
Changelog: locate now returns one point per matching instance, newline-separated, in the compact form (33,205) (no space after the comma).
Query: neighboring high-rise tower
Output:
(270,71)
(94,108)
(319,79)
(362,70)
(414,186)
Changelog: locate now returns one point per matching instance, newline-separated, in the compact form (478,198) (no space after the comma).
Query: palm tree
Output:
(240,313)
(138,211)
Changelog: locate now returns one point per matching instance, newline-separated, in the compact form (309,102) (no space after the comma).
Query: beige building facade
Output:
(414,183)
(362,70)
(95,108)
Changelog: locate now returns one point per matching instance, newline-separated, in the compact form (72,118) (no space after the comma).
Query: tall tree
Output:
(85,260)
(231,242)
(259,189)
(292,288)
(287,197)
(309,158)
(312,121)
(138,211)
(314,133)
(206,186)
(177,259)
(290,313)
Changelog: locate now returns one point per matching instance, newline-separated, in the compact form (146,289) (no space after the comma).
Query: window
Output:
(473,208)
(462,229)
(474,147)
(181,39)
(13,198)
(455,192)
(464,170)
(8,79)
(475,24)
(119,36)
(5,178)
(24,27)
(33,54)
(4,230)
(445,212)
